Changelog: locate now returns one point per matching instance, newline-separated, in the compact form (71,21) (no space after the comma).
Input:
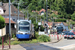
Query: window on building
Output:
(14,11)
(42,12)
(13,19)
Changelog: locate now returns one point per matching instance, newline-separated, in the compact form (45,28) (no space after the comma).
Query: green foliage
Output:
(2,22)
(36,35)
(73,16)
(60,20)
(73,23)
(50,20)
(13,35)
(44,38)
(0,40)
(33,19)
(15,42)
(65,8)
(36,26)
(42,28)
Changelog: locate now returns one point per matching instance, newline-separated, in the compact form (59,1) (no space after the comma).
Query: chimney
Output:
(1,3)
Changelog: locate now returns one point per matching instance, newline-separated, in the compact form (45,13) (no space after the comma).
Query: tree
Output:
(2,22)
(73,16)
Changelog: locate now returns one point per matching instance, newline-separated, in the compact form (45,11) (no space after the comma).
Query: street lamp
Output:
(9,22)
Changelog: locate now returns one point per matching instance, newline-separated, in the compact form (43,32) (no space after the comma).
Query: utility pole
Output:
(46,11)
(50,4)
(18,11)
(27,14)
(44,14)
(46,18)
(9,22)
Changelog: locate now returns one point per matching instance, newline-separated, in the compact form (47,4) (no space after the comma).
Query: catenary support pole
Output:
(18,15)
(46,12)
(9,22)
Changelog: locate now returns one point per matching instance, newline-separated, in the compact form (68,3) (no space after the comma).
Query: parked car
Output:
(64,32)
(71,35)
(72,31)
(59,29)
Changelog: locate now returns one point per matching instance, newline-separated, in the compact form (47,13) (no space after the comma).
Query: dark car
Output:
(65,33)
(59,29)
(71,35)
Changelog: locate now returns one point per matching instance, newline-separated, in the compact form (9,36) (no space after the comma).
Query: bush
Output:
(44,38)
(2,22)
(13,35)
(73,16)
(73,23)
(36,35)
(41,28)
(36,26)
(60,20)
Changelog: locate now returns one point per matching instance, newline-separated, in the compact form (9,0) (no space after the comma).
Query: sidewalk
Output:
(68,47)
(62,45)
(13,47)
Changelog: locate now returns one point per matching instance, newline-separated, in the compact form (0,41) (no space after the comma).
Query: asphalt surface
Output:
(62,43)
(37,46)
(51,46)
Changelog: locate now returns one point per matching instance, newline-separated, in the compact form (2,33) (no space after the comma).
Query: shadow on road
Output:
(26,39)
(37,46)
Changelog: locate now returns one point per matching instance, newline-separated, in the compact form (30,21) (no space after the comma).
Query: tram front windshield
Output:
(24,29)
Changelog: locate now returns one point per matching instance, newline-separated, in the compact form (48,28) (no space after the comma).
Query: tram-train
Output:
(25,29)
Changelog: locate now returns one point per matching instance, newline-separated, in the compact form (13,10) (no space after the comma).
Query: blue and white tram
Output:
(25,30)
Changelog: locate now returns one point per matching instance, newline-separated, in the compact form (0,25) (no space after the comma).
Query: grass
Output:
(25,41)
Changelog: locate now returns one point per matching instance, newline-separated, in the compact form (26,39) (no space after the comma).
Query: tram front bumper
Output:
(23,36)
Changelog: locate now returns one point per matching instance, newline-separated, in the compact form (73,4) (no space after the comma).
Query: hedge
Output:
(73,23)
(60,20)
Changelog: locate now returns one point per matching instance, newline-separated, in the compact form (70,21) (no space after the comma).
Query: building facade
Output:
(4,11)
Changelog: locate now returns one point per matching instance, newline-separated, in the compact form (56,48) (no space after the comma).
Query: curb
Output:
(57,41)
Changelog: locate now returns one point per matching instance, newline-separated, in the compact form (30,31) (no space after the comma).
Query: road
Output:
(37,46)
(63,44)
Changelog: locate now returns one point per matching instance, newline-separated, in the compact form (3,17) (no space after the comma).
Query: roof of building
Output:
(42,10)
(65,24)
(3,7)
(14,10)
(55,12)
(56,23)
(7,20)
